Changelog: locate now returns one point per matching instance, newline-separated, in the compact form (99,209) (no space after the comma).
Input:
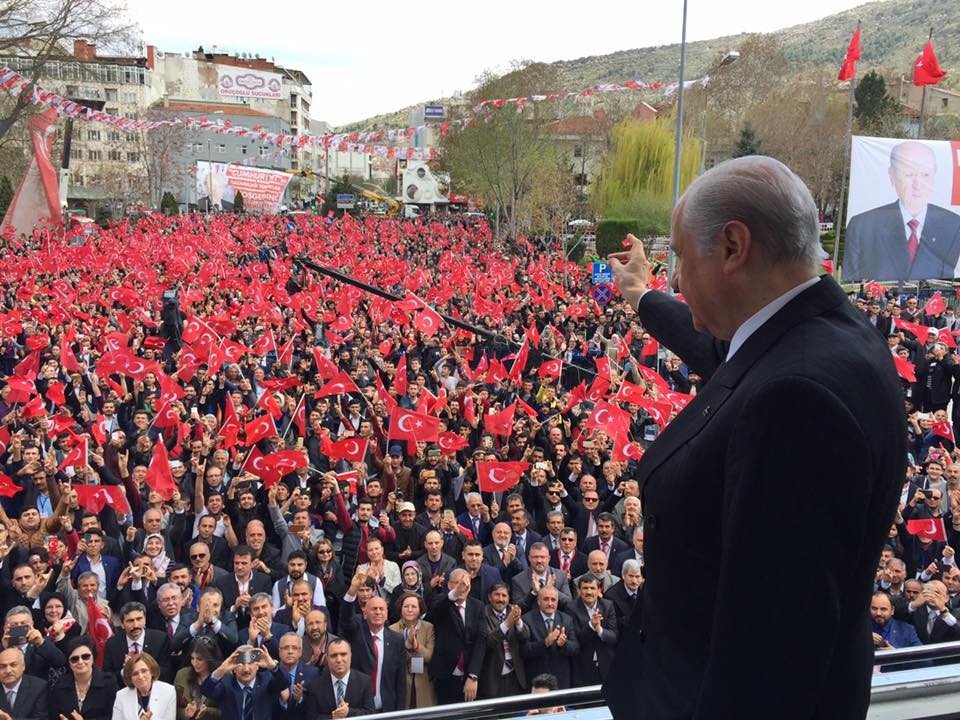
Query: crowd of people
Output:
(234,487)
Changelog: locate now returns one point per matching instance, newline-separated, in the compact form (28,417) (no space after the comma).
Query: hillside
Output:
(893,31)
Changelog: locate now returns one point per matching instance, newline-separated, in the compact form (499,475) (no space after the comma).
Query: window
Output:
(115,155)
(243,149)
(110,110)
(198,148)
(76,154)
(264,151)
(72,91)
(945,102)
(133,157)
(111,95)
(93,134)
(578,151)
(128,97)
(221,149)
(113,136)
(94,155)
(130,137)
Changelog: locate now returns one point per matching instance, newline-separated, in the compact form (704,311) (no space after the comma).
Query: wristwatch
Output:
(471,676)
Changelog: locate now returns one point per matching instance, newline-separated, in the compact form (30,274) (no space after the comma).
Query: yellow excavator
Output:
(393,207)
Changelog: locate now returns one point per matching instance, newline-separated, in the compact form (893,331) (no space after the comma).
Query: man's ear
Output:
(735,246)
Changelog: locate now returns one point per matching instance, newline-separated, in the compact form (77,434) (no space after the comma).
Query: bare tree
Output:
(43,29)
(160,151)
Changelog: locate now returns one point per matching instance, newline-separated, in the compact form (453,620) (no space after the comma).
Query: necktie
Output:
(170,628)
(136,647)
(461,661)
(11,698)
(376,661)
(341,690)
(913,242)
(549,623)
(931,621)
(507,657)
(503,555)
(247,712)
(565,565)
(606,548)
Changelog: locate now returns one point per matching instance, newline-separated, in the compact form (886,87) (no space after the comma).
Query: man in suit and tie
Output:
(299,676)
(241,585)
(24,697)
(477,518)
(595,620)
(377,651)
(136,638)
(170,617)
(40,654)
(605,539)
(538,575)
(482,576)
(523,536)
(553,638)
(90,556)
(503,634)
(633,553)
(214,622)
(569,558)
(459,650)
(932,618)
(246,684)
(625,594)
(777,346)
(909,239)
(501,554)
(339,691)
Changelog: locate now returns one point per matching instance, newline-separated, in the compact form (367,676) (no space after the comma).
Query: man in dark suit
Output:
(605,539)
(625,594)
(170,617)
(632,553)
(595,620)
(30,698)
(435,565)
(242,584)
(245,690)
(136,638)
(458,652)
(377,651)
(338,687)
(909,239)
(482,576)
(90,550)
(525,586)
(501,554)
(503,634)
(568,558)
(932,618)
(298,675)
(477,518)
(553,639)
(777,348)
(214,622)
(263,629)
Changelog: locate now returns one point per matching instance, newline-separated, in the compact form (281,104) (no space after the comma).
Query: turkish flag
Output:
(679,400)
(551,368)
(276,465)
(77,457)
(29,366)
(935,305)
(427,321)
(68,361)
(598,389)
(231,423)
(385,397)
(659,411)
(352,449)
(876,290)
(942,429)
(253,463)
(917,330)
(500,423)
(233,350)
(630,392)
(98,628)
(55,393)
(412,427)
(300,416)
(339,385)
(259,429)
(400,379)
(469,410)
(158,474)
(849,66)
(905,368)
(609,418)
(623,349)
(499,476)
(450,442)
(930,528)
(168,416)
(650,348)
(8,488)
(96,497)
(946,337)
(926,70)
(263,345)
(653,376)
(269,402)
(520,362)
(4,439)
(624,449)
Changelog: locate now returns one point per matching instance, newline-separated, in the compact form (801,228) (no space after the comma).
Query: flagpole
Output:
(847,146)
(923,99)
(290,421)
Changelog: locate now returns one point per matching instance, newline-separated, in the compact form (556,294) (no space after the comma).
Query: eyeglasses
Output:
(591,499)
(324,552)
(198,556)
(74,659)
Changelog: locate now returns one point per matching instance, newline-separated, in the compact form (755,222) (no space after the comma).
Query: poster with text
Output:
(903,211)
(244,82)
(219,183)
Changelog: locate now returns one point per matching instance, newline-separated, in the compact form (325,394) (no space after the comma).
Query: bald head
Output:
(912,169)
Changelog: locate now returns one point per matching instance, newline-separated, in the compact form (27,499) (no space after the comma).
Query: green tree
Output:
(168,205)
(507,155)
(238,202)
(6,194)
(874,109)
(748,144)
(341,186)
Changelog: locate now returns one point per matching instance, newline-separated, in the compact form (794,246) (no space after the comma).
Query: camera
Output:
(249,656)
(398,495)
(18,635)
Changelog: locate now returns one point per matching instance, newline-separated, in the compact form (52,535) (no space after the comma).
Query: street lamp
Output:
(728,59)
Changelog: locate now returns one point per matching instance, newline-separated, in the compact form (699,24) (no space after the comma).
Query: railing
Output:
(927,692)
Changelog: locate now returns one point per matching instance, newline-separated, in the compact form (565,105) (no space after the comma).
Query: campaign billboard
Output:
(244,82)
(903,211)
(219,183)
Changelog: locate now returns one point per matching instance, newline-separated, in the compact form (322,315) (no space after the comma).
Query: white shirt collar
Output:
(757,320)
(907,217)
(345,679)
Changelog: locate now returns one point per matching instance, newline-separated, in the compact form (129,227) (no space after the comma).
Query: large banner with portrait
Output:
(902,212)
(219,183)
(244,82)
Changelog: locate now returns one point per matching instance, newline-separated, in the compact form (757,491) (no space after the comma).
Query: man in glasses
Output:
(204,573)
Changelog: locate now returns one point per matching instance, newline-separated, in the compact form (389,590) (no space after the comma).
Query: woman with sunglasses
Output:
(84,690)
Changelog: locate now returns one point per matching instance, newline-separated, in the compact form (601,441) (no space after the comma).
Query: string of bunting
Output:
(12,83)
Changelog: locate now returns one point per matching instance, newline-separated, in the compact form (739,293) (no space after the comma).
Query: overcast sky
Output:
(366,58)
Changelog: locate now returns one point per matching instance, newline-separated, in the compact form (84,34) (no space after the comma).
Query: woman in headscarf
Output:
(411,581)
(155,549)
(59,625)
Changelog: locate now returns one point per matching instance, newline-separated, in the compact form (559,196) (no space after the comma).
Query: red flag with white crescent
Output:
(339,385)
(500,423)
(158,475)
(499,476)
(262,427)
(98,628)
(928,528)
(353,449)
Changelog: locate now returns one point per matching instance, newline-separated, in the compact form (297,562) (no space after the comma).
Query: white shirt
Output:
(345,680)
(138,641)
(760,317)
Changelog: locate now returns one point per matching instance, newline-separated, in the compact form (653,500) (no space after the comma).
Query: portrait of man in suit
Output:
(777,346)
(909,239)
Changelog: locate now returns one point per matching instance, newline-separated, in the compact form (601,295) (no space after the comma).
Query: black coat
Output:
(538,657)
(393,681)
(30,702)
(825,383)
(153,642)
(321,700)
(97,705)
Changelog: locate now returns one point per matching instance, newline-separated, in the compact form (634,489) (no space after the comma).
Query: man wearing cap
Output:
(410,534)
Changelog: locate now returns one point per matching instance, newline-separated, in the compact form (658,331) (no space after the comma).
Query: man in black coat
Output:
(909,239)
(793,378)
(553,639)
(377,651)
(242,584)
(932,617)
(30,700)
(338,686)
(625,594)
(596,623)
(136,637)
(458,653)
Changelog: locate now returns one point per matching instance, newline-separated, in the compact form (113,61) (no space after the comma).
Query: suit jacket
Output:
(464,520)
(486,578)
(876,245)
(455,637)
(554,659)
(447,564)
(578,563)
(592,663)
(111,566)
(393,681)
(491,556)
(295,710)
(153,642)
(616,546)
(30,702)
(521,589)
(616,562)
(321,700)
(39,660)
(277,630)
(941,631)
(228,694)
(259,582)
(816,357)
(493,637)
(622,603)
(163,702)
(98,703)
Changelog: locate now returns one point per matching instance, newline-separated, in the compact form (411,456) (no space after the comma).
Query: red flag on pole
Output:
(96,497)
(412,427)
(500,423)
(935,305)
(499,476)
(259,429)
(929,528)
(848,68)
(942,429)
(905,368)
(926,70)
(158,474)
(98,628)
